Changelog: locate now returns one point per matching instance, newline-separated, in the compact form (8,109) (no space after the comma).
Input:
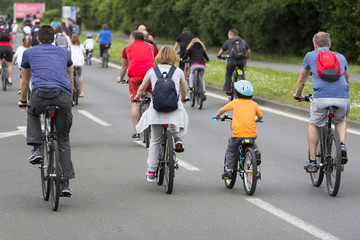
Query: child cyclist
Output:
(245,113)
(89,44)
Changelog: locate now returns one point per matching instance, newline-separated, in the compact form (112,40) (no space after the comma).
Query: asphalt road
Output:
(112,199)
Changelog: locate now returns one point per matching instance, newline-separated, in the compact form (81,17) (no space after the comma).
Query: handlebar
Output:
(225,116)
(306,98)
(223,57)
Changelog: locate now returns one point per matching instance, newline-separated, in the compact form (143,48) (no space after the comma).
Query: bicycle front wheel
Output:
(4,79)
(199,93)
(45,170)
(55,176)
(169,164)
(333,168)
(147,137)
(317,177)
(250,171)
(76,91)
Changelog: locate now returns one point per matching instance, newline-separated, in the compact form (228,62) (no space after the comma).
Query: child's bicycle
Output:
(89,53)
(246,166)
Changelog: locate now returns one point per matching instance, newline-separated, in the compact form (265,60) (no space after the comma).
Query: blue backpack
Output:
(164,96)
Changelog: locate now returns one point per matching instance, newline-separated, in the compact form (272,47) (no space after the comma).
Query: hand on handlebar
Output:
(185,100)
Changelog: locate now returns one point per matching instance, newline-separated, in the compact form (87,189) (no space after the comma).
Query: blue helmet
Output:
(244,88)
(89,35)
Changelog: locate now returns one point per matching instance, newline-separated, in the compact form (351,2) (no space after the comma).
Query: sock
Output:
(9,80)
(312,161)
(36,146)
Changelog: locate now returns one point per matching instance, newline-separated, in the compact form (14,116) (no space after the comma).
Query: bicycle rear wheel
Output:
(199,93)
(169,164)
(250,171)
(317,177)
(76,91)
(55,176)
(333,168)
(44,170)
(229,183)
(160,169)
(4,79)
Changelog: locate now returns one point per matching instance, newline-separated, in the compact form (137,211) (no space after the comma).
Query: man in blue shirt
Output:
(104,36)
(51,72)
(325,94)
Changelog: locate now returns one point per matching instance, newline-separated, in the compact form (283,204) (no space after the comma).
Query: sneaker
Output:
(66,190)
(82,95)
(310,167)
(19,92)
(258,156)
(227,175)
(343,153)
(150,176)
(135,136)
(179,146)
(9,84)
(36,156)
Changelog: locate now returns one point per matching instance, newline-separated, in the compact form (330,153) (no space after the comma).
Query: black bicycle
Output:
(89,53)
(237,75)
(197,92)
(187,69)
(76,91)
(247,165)
(145,103)
(106,55)
(328,154)
(167,163)
(51,172)
(4,73)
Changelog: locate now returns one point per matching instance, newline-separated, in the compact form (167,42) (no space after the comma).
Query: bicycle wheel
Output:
(160,169)
(250,171)
(107,61)
(229,183)
(4,79)
(147,137)
(333,168)
(317,177)
(192,98)
(199,93)
(44,170)
(104,59)
(55,176)
(76,91)
(235,77)
(169,164)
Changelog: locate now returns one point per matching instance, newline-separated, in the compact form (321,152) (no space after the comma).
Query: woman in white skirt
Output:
(178,119)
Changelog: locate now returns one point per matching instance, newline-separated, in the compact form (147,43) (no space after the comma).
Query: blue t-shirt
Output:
(48,65)
(105,36)
(324,89)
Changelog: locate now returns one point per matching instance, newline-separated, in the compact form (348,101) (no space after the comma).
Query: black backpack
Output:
(4,35)
(61,41)
(164,96)
(34,34)
(237,49)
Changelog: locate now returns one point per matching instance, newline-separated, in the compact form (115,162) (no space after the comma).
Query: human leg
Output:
(154,148)
(229,70)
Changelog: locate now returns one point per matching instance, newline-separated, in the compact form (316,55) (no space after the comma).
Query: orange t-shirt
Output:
(243,123)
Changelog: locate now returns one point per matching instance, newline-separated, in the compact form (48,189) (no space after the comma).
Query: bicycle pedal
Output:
(65,195)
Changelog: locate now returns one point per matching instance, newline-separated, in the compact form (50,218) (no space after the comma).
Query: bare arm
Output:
(70,70)
(220,112)
(97,38)
(220,52)
(301,83)
(124,67)
(176,45)
(248,52)
(25,79)
(183,89)
(347,77)
(145,83)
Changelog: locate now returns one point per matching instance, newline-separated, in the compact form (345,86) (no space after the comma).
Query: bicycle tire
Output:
(160,169)
(107,61)
(55,176)
(76,91)
(250,171)
(44,171)
(192,98)
(235,77)
(169,164)
(333,168)
(317,177)
(199,93)
(147,137)
(229,183)
(104,58)
(4,79)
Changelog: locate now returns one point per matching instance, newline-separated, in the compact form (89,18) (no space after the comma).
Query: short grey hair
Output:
(322,39)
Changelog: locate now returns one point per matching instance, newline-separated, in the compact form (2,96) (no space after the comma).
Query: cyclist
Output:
(19,53)
(51,86)
(196,51)
(183,41)
(104,37)
(77,56)
(137,59)
(233,36)
(34,32)
(325,94)
(243,123)
(89,44)
(178,119)
(6,50)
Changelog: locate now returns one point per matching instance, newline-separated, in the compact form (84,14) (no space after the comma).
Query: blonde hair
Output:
(75,40)
(167,55)
(193,41)
(26,43)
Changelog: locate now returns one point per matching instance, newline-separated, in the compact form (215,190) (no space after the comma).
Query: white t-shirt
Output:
(18,54)
(15,28)
(89,44)
(77,55)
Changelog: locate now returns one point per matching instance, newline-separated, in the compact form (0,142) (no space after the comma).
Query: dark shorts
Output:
(103,47)
(6,52)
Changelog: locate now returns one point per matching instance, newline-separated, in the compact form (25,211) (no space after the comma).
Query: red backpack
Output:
(328,66)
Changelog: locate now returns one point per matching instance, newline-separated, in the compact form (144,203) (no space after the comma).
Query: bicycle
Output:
(187,69)
(76,90)
(237,75)
(144,105)
(4,72)
(328,154)
(246,165)
(106,55)
(50,168)
(89,53)
(197,93)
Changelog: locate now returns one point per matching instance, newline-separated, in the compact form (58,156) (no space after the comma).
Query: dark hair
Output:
(239,95)
(137,26)
(46,34)
(234,32)
(58,30)
(186,30)
(105,26)
(137,35)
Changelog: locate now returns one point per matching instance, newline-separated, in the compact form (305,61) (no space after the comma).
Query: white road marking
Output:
(94,118)
(21,130)
(109,63)
(297,222)
(181,163)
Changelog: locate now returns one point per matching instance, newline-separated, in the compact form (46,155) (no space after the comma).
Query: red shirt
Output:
(141,58)
(7,43)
